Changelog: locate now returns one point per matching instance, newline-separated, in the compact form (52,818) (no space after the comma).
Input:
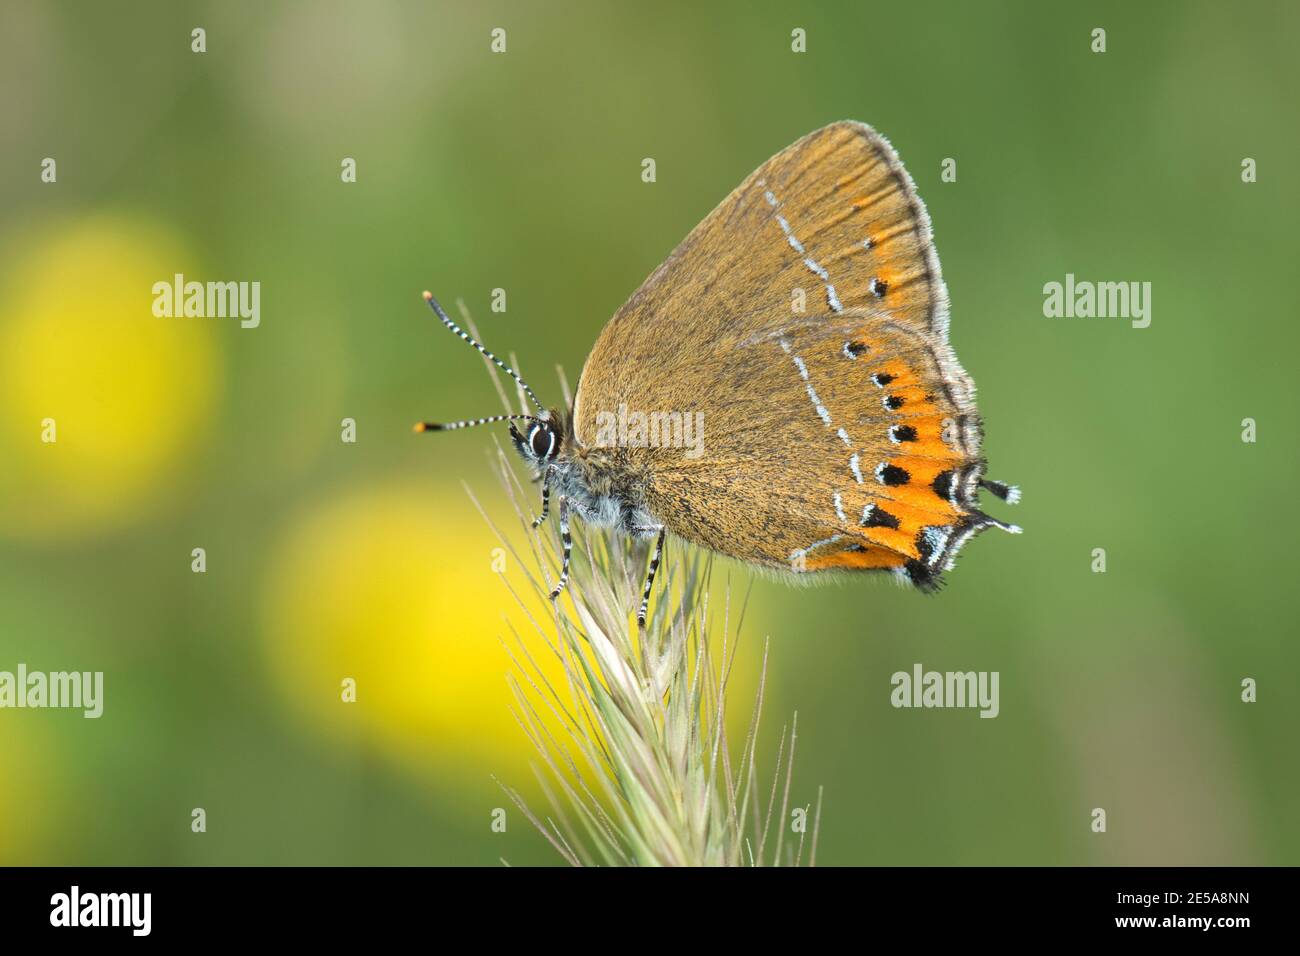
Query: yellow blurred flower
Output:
(80,347)
(393,586)
(30,807)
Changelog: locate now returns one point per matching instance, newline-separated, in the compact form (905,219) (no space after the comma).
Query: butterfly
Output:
(800,332)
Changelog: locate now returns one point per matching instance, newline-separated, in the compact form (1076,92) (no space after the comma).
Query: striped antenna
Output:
(470,423)
(446,320)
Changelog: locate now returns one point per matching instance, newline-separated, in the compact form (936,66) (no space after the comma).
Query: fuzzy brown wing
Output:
(832,222)
(822,457)
(775,320)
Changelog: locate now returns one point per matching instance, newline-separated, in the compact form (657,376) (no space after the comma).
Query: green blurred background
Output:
(522,171)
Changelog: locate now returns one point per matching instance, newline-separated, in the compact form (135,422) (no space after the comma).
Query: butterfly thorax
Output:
(605,486)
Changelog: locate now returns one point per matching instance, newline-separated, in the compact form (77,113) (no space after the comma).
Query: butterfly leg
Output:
(650,578)
(546,497)
(566,543)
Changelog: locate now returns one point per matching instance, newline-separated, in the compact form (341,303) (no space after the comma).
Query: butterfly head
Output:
(541,439)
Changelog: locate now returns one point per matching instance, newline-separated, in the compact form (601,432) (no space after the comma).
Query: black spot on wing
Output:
(880,518)
(942,484)
(893,475)
(923,578)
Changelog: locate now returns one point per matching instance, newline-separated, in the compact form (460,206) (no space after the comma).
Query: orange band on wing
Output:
(857,560)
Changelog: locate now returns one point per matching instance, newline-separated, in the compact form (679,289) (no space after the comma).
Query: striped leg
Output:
(546,497)
(650,579)
(567,544)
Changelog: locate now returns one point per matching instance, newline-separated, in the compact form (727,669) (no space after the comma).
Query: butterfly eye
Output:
(541,440)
